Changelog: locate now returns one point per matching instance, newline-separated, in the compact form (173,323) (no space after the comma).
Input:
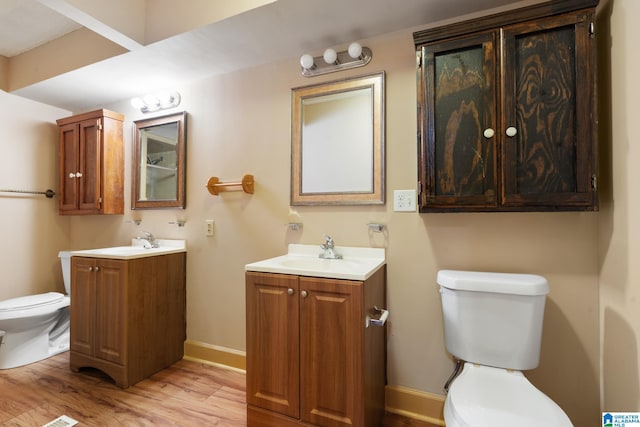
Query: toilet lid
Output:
(31,301)
(484,396)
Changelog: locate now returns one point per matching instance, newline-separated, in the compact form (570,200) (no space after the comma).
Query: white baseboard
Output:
(403,401)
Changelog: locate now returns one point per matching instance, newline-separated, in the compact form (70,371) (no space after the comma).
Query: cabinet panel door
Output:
(90,165)
(457,153)
(83,294)
(111,310)
(547,99)
(68,160)
(273,380)
(332,325)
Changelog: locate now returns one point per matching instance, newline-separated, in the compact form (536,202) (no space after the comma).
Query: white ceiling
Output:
(280,30)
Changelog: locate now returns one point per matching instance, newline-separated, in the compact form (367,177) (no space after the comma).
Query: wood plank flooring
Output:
(185,394)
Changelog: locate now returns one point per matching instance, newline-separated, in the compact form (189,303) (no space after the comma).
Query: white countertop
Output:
(136,250)
(303,260)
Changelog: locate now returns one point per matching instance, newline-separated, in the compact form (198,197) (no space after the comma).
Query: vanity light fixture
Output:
(355,56)
(156,101)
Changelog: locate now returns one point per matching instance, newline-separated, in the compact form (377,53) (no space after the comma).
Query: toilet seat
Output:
(482,396)
(30,301)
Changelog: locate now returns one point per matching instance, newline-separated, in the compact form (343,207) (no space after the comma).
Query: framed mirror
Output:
(337,142)
(159,162)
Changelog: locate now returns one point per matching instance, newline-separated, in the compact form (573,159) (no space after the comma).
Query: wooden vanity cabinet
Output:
(91,159)
(311,358)
(507,111)
(128,317)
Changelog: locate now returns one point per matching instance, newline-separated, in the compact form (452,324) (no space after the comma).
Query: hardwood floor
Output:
(185,394)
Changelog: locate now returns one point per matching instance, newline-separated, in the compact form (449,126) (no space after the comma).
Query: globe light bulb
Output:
(137,103)
(330,56)
(355,50)
(306,61)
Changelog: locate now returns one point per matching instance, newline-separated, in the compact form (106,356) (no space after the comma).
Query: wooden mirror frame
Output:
(374,82)
(139,126)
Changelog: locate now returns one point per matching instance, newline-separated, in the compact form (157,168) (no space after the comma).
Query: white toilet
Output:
(493,326)
(35,327)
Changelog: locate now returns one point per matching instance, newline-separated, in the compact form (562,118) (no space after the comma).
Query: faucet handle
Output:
(328,240)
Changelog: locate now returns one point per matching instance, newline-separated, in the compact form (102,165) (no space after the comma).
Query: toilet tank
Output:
(65,262)
(493,319)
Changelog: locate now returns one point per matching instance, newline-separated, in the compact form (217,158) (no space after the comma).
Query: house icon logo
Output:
(607,420)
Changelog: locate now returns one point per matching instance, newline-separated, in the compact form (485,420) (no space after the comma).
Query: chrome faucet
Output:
(150,240)
(329,249)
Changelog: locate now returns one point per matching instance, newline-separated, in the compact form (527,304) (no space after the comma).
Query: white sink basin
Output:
(303,260)
(136,250)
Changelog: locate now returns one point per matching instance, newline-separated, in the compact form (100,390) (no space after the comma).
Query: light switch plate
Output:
(404,200)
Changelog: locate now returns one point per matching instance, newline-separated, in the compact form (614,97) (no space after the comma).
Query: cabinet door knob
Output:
(78,175)
(304,294)
(90,268)
(72,175)
(97,268)
(511,131)
(290,291)
(489,133)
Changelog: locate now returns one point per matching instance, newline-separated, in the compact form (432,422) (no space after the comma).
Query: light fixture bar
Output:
(344,61)
(157,101)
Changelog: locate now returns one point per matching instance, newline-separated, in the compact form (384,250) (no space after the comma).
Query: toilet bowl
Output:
(493,327)
(35,327)
(482,396)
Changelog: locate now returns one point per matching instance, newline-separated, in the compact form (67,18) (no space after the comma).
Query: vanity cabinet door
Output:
(91,158)
(83,297)
(331,351)
(97,306)
(457,111)
(273,380)
(110,306)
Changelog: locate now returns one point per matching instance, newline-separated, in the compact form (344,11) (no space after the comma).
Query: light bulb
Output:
(355,50)
(165,99)
(306,61)
(330,56)
(137,103)
(151,100)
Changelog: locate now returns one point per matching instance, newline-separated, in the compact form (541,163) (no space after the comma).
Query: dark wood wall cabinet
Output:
(507,111)
(91,159)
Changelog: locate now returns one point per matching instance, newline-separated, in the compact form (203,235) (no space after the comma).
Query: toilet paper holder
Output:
(381,320)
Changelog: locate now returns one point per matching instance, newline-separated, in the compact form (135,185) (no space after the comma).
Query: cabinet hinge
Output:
(99,200)
(592,29)
(99,126)
(419,58)
(594,182)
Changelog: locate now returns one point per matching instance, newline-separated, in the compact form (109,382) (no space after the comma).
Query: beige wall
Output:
(31,231)
(619,242)
(240,123)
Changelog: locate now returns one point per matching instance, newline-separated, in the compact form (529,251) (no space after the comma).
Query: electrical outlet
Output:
(209,227)
(404,200)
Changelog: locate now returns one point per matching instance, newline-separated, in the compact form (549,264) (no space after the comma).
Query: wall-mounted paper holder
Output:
(215,186)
